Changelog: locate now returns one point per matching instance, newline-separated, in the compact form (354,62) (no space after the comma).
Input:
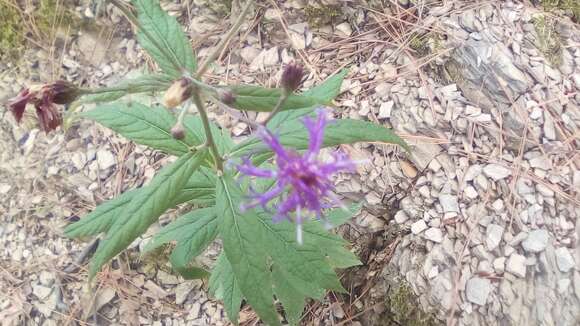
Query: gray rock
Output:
(478,59)
(472,172)
(470,192)
(541,162)
(105,159)
(449,203)
(344,28)
(383,90)
(544,190)
(564,285)
(496,171)
(549,129)
(166,278)
(477,290)
(434,234)
(182,291)
(401,217)
(499,264)
(493,236)
(516,265)
(46,278)
(249,53)
(564,259)
(536,241)
(40,291)
(418,227)
(385,109)
(373,223)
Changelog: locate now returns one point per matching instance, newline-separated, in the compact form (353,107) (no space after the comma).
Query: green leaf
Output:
(149,126)
(199,190)
(254,98)
(193,232)
(141,84)
(162,37)
(329,89)
(244,246)
(101,218)
(266,259)
(223,286)
(146,208)
(340,131)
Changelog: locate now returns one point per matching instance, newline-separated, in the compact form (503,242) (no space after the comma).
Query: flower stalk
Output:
(291,80)
(209,141)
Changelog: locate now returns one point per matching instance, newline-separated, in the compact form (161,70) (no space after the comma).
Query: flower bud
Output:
(178,92)
(292,77)
(226,96)
(62,92)
(177,131)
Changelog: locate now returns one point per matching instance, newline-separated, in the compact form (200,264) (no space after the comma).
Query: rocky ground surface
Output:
(477,227)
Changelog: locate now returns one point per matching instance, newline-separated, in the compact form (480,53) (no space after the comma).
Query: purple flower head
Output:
(303,182)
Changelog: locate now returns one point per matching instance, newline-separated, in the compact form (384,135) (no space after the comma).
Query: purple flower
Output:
(292,77)
(303,182)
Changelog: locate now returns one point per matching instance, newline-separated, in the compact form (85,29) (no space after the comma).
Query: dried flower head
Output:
(178,92)
(292,77)
(303,182)
(177,131)
(44,99)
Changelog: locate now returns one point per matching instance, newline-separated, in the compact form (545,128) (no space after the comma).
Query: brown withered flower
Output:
(292,77)
(177,131)
(178,92)
(44,99)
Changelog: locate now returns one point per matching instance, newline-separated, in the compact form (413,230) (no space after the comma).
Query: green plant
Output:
(272,248)
(571,6)
(548,39)
(11,30)
(318,15)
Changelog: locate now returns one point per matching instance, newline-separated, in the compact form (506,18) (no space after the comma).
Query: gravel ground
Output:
(478,225)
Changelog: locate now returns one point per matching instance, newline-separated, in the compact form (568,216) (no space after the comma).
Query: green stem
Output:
(224,41)
(219,161)
(278,106)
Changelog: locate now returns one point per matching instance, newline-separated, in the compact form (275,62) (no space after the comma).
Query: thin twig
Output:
(224,41)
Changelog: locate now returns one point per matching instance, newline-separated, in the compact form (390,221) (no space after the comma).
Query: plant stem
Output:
(219,161)
(223,42)
(278,106)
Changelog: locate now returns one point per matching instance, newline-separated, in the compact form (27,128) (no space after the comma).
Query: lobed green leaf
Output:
(223,286)
(146,208)
(266,260)
(163,38)
(245,249)
(255,98)
(199,190)
(149,126)
(193,232)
